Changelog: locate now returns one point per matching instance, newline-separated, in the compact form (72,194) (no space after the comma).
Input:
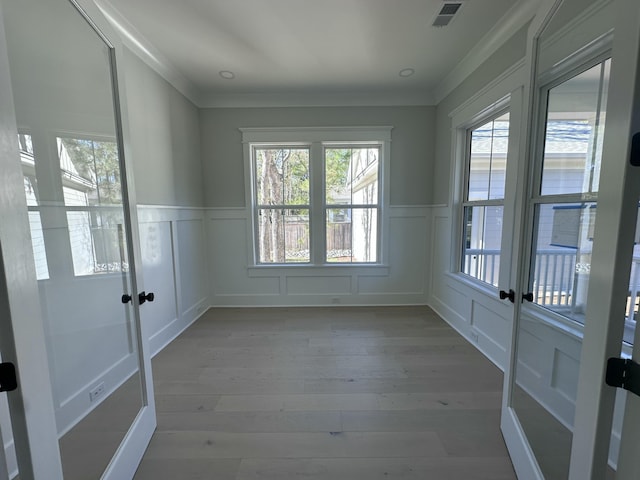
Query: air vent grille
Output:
(450,8)
(446,14)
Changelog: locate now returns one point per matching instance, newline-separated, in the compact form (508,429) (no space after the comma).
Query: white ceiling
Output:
(305,48)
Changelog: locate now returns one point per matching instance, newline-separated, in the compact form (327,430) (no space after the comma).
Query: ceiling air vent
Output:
(446,14)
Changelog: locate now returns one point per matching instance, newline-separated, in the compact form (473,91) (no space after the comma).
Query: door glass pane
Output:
(562,257)
(633,300)
(574,133)
(73,187)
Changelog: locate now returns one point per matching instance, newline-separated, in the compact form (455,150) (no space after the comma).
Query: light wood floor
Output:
(325,393)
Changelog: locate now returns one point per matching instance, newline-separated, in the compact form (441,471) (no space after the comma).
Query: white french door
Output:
(574,299)
(69,289)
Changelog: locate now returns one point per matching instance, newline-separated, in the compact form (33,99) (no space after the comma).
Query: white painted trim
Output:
(153,213)
(338,270)
(149,54)
(567,29)
(302,300)
(324,135)
(508,25)
(319,99)
(524,463)
(512,78)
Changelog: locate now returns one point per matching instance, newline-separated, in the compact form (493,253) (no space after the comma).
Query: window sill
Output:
(478,285)
(326,270)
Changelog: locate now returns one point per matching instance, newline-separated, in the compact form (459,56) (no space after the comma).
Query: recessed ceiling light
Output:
(406,72)
(227,74)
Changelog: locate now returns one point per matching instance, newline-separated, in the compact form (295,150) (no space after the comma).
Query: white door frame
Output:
(22,338)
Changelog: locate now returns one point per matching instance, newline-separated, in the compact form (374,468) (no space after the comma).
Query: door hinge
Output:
(623,373)
(8,379)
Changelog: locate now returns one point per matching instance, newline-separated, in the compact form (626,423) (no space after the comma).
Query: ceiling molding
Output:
(320,99)
(514,19)
(149,54)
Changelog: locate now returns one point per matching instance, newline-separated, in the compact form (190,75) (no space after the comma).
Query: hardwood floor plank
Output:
(252,422)
(188,469)
(195,444)
(316,402)
(498,468)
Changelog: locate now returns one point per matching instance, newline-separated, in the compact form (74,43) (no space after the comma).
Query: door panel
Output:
(74,183)
(580,207)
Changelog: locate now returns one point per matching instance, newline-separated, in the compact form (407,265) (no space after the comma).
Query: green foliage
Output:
(337,163)
(97,162)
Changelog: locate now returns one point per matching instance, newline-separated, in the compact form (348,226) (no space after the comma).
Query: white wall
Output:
(165,146)
(402,281)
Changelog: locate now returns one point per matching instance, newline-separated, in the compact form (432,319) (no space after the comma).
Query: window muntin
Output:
(351,203)
(483,202)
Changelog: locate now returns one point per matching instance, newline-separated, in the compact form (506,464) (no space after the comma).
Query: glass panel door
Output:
(549,338)
(581,208)
(71,158)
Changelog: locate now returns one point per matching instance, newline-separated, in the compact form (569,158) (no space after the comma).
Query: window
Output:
(28,163)
(317,194)
(483,202)
(90,173)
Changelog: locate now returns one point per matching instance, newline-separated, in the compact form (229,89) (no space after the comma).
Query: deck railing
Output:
(554,280)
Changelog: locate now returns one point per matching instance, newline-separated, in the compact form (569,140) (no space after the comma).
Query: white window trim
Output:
(316,138)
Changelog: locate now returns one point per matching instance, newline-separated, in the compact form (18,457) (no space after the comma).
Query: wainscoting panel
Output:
(235,281)
(174,267)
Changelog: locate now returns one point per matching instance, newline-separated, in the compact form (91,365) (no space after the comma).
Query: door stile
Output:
(22,337)
(129,454)
(523,459)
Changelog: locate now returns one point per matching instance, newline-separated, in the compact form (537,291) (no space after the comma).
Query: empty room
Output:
(348,239)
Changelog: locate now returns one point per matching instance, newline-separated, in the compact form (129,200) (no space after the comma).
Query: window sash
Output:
(481,263)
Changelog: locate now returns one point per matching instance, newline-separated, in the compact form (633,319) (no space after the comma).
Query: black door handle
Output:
(511,295)
(126,298)
(144,297)
(528,297)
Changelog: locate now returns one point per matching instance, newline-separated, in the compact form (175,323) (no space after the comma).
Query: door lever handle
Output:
(144,297)
(511,295)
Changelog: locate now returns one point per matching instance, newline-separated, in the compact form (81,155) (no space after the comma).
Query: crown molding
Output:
(149,54)
(320,99)
(512,21)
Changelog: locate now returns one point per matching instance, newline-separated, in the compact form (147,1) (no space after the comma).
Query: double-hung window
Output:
(483,202)
(318,195)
